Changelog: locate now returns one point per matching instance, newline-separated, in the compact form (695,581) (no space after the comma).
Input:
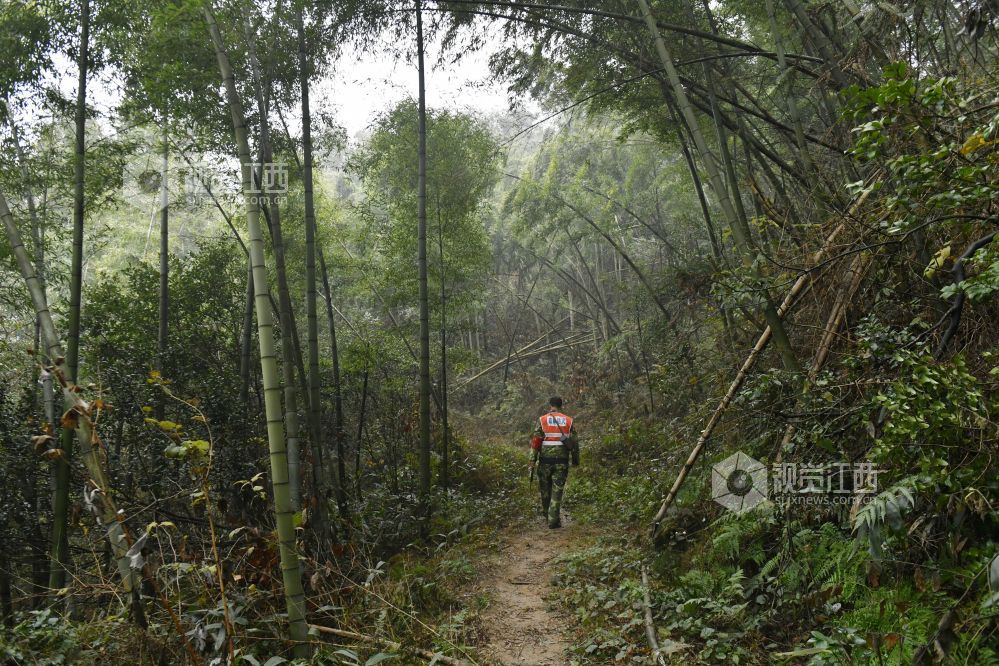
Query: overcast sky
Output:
(360,89)
(362,85)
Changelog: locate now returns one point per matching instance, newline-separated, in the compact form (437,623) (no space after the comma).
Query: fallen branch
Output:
(650,627)
(392,646)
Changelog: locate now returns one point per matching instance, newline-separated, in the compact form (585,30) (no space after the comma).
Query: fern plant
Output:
(884,510)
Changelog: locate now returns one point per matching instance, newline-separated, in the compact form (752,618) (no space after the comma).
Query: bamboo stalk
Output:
(284,510)
(91,455)
(855,273)
(516,355)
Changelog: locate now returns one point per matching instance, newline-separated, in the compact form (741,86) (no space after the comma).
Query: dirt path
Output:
(520,628)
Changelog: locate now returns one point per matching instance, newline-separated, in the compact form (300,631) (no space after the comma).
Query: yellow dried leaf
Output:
(937,262)
(974,142)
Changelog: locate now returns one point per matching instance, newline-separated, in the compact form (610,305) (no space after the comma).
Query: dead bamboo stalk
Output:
(796,289)
(517,354)
(393,646)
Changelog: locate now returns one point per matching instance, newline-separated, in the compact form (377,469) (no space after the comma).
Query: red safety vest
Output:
(556,427)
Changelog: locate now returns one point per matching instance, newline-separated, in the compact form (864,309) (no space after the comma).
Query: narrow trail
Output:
(520,627)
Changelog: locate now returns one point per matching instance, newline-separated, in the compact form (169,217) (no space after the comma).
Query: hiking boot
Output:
(555,525)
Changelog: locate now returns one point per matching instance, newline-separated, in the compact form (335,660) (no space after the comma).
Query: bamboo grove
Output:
(257,372)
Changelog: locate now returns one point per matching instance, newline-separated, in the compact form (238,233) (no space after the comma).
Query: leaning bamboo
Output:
(716,182)
(76,411)
(855,274)
(514,355)
(284,509)
(796,290)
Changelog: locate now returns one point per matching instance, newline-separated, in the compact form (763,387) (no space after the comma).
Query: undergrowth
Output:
(768,585)
(416,595)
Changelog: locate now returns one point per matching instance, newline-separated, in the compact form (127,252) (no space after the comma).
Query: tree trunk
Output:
(340,478)
(288,330)
(60,502)
(421,241)
(320,473)
(161,341)
(822,43)
(445,446)
(804,158)
(284,509)
(360,430)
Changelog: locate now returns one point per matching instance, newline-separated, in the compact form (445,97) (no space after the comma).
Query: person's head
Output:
(555,402)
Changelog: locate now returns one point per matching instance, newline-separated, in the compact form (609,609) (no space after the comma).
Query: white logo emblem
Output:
(739,482)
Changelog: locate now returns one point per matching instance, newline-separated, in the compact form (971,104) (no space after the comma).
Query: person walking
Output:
(553,447)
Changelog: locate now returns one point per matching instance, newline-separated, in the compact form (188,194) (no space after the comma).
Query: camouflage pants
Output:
(551,481)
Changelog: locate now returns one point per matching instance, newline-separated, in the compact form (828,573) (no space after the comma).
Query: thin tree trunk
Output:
(421,240)
(284,508)
(360,430)
(650,627)
(288,331)
(164,314)
(340,478)
(315,413)
(445,448)
(804,158)
(246,338)
(60,503)
(820,40)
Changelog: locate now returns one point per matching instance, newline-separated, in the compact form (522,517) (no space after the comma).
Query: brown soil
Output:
(521,627)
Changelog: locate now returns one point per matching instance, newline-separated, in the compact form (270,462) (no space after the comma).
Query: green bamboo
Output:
(289,333)
(322,474)
(164,313)
(60,500)
(284,510)
(421,240)
(716,182)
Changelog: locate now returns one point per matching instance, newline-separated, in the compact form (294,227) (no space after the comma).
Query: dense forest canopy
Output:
(269,371)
